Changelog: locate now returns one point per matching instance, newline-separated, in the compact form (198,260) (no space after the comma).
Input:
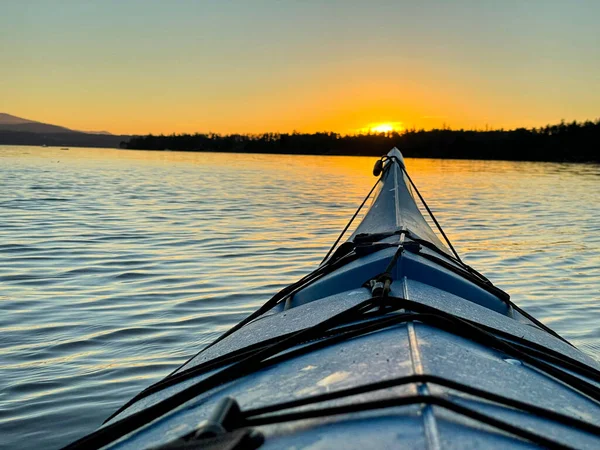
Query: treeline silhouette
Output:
(574,142)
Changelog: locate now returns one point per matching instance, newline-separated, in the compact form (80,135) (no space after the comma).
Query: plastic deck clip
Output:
(223,430)
(225,417)
(380,286)
(412,246)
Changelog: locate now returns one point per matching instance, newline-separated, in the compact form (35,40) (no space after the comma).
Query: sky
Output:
(251,66)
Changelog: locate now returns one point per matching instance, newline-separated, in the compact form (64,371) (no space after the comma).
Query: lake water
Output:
(116,266)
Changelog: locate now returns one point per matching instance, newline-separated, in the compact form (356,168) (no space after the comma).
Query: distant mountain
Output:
(7,119)
(18,131)
(9,122)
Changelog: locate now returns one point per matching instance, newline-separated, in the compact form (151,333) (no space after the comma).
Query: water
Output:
(115,266)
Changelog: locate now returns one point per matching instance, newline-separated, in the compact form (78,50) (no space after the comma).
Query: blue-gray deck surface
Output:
(379,356)
(311,313)
(411,265)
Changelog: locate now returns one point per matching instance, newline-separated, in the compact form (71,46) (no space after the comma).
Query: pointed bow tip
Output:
(396,153)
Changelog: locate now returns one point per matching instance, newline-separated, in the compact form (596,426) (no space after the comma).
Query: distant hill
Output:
(8,119)
(19,131)
(9,122)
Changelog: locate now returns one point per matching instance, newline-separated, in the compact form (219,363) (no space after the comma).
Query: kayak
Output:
(393,341)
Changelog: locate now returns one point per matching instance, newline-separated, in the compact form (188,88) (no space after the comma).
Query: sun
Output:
(383,127)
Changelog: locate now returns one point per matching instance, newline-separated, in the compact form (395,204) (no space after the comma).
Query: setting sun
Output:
(384,127)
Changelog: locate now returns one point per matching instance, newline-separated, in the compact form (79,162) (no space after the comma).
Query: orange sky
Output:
(148,66)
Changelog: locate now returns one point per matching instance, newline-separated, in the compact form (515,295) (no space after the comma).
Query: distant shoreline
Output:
(564,142)
(63,139)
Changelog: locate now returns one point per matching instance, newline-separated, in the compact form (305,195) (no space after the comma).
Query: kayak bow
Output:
(393,341)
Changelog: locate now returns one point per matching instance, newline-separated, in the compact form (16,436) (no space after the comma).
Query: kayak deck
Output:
(407,349)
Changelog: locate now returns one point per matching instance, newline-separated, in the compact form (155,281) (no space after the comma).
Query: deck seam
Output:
(429,421)
(396,198)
